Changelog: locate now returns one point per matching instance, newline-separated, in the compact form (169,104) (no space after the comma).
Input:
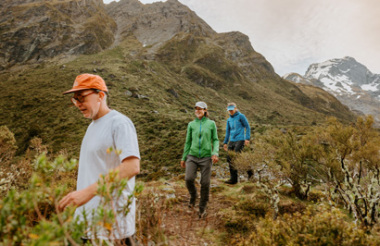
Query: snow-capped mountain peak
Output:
(348,80)
(344,76)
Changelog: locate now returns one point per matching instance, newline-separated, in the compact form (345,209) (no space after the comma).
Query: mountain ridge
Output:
(156,83)
(348,80)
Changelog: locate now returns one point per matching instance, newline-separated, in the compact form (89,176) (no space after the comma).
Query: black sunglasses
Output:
(80,98)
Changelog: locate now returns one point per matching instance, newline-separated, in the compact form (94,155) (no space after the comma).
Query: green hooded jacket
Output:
(201,139)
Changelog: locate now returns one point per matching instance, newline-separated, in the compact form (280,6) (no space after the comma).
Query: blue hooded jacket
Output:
(235,128)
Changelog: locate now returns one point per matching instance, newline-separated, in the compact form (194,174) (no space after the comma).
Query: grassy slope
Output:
(32,103)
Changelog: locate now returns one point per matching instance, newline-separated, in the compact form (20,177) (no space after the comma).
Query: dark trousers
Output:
(192,165)
(129,241)
(237,147)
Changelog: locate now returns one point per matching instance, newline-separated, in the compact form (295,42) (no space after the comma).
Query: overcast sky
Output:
(292,34)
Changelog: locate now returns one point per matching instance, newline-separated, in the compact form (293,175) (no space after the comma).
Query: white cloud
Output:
(143,1)
(292,34)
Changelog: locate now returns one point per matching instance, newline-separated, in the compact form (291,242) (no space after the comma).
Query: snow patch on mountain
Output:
(370,87)
(338,85)
(297,79)
(318,70)
(348,80)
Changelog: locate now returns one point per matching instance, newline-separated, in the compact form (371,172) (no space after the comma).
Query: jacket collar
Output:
(203,119)
(235,114)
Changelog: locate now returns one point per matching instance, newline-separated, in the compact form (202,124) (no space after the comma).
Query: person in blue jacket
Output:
(238,134)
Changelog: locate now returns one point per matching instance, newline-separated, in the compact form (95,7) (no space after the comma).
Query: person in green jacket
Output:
(201,151)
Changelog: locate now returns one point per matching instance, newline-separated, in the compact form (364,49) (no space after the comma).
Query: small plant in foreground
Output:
(32,217)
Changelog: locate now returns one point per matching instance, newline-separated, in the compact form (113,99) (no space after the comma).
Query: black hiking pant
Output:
(129,241)
(237,147)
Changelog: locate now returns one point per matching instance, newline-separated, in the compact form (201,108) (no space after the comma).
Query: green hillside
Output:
(315,182)
(157,94)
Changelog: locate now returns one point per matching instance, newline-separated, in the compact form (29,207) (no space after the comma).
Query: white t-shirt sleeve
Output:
(125,140)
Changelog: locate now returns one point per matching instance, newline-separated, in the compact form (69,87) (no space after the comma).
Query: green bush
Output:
(343,161)
(31,217)
(317,226)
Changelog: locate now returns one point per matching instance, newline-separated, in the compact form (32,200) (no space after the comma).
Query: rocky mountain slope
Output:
(154,24)
(348,80)
(33,30)
(157,59)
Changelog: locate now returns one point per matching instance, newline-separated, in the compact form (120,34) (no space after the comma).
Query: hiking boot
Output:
(192,202)
(250,174)
(202,213)
(230,182)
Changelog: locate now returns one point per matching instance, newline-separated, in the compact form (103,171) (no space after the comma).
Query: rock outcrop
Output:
(154,24)
(238,49)
(37,30)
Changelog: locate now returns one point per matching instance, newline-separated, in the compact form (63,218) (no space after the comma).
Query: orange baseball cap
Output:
(88,81)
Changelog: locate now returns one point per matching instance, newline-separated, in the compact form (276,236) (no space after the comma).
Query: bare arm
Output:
(128,168)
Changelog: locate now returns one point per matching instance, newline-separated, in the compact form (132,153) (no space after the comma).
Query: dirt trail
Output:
(180,224)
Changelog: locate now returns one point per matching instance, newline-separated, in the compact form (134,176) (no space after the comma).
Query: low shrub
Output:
(253,209)
(149,218)
(7,144)
(290,207)
(321,226)
(248,189)
(31,217)
(316,196)
(236,223)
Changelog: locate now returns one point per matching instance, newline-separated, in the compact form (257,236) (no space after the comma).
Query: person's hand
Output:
(214,159)
(76,198)
(246,142)
(183,164)
(225,147)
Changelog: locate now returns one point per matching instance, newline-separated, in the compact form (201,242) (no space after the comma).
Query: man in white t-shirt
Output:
(108,128)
